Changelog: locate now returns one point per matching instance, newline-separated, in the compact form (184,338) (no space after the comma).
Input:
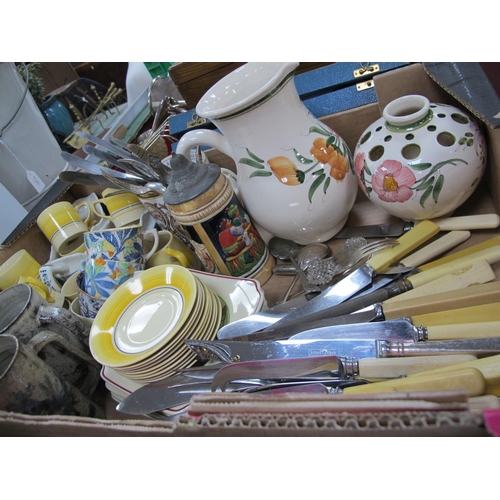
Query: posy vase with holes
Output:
(420,160)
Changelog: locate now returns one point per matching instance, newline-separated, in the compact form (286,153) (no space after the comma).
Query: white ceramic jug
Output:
(295,175)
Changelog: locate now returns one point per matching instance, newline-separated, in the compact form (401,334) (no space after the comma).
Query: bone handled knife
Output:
(467,378)
(434,249)
(334,366)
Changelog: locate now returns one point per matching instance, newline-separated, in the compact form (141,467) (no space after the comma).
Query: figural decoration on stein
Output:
(420,160)
(295,174)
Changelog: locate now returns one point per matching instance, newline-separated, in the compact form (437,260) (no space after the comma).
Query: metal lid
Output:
(189,179)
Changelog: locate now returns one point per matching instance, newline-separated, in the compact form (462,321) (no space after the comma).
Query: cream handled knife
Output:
(467,378)
(485,221)
(337,367)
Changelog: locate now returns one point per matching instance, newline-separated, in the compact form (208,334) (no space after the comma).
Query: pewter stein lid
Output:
(189,179)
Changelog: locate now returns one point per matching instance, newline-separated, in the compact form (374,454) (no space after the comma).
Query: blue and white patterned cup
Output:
(89,305)
(120,244)
(103,277)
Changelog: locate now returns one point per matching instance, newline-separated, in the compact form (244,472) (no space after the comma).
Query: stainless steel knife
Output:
(396,229)
(233,351)
(474,303)
(401,329)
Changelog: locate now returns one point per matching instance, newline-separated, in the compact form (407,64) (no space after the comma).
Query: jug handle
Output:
(203,138)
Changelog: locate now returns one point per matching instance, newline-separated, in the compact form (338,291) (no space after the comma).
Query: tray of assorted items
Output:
(380,313)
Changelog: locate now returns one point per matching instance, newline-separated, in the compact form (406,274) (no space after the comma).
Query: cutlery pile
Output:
(353,338)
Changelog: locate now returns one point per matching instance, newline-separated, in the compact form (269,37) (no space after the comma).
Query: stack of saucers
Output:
(140,329)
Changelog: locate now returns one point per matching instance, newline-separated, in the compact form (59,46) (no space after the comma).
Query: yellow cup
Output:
(124,209)
(70,288)
(41,288)
(63,227)
(20,264)
(74,308)
(171,250)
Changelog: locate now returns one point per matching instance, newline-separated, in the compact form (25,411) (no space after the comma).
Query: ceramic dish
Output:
(175,355)
(242,296)
(130,295)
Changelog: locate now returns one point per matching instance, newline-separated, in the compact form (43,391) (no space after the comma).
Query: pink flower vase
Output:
(420,160)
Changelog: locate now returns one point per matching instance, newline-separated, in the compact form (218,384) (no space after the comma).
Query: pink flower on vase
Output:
(359,167)
(392,182)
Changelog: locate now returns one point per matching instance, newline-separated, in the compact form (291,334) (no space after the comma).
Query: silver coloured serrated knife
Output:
(396,229)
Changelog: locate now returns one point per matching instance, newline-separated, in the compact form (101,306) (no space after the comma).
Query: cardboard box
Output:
(350,125)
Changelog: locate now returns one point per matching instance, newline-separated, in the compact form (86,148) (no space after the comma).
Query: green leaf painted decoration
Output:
(426,195)
(319,130)
(368,171)
(261,173)
(254,157)
(302,159)
(437,188)
(252,163)
(326,184)
(426,184)
(420,166)
(317,182)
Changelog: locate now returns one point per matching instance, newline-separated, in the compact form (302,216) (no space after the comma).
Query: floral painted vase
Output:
(420,160)
(295,175)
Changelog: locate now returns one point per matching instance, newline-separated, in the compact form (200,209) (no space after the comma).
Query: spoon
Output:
(309,253)
(287,249)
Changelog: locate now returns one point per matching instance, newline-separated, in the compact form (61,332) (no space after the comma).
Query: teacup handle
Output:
(89,210)
(46,274)
(94,203)
(203,137)
(64,318)
(178,255)
(156,242)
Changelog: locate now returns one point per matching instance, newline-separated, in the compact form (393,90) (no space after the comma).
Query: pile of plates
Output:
(140,330)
